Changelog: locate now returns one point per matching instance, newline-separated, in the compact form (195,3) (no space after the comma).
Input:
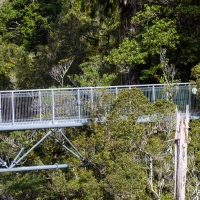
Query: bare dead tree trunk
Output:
(181,138)
(151,178)
(58,71)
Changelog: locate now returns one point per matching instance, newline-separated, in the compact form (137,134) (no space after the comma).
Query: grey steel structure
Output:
(53,109)
(67,107)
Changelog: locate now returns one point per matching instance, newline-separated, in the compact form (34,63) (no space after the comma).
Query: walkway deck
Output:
(67,107)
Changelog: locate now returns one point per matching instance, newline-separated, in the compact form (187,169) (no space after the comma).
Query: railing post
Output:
(190,93)
(53,108)
(116,92)
(79,106)
(40,106)
(92,95)
(13,109)
(92,100)
(153,94)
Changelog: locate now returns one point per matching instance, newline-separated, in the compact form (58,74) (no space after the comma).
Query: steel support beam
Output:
(31,168)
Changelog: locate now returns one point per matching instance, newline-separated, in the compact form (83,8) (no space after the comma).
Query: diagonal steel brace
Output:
(19,157)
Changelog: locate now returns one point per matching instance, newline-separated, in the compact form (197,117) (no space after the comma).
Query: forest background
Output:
(75,43)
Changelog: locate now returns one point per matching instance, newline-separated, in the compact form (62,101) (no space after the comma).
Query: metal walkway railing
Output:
(66,107)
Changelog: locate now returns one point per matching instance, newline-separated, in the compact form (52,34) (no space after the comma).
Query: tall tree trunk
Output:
(181,138)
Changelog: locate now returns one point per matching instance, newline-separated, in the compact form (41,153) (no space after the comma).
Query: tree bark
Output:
(181,138)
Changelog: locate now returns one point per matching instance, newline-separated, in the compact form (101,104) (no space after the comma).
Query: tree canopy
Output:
(126,36)
(70,43)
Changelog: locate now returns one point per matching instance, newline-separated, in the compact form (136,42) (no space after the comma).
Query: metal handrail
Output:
(97,87)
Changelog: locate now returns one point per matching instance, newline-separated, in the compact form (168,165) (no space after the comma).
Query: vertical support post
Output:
(53,108)
(153,94)
(79,106)
(40,106)
(13,108)
(181,138)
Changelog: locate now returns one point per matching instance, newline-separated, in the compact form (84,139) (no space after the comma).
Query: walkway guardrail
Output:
(65,107)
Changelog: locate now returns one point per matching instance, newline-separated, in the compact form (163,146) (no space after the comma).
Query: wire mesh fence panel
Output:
(65,105)
(102,98)
(158,93)
(45,105)
(85,103)
(182,98)
(148,92)
(6,107)
(24,103)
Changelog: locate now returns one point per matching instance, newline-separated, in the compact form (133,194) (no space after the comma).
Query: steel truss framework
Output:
(22,154)
(69,107)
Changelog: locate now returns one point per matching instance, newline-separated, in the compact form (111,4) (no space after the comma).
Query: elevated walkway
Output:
(68,107)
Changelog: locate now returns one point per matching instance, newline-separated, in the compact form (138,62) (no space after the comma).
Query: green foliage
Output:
(156,36)
(159,26)
(127,105)
(9,55)
(153,71)
(25,185)
(90,39)
(118,150)
(196,73)
(164,115)
(126,159)
(16,65)
(154,32)
(127,35)
(128,53)
(193,177)
(28,23)
(93,73)
(31,24)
